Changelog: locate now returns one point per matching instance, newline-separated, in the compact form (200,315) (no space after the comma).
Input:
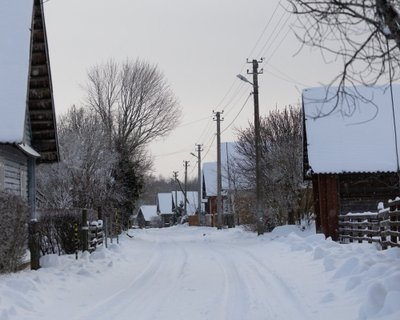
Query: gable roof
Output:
(148,212)
(191,197)
(25,78)
(362,142)
(164,203)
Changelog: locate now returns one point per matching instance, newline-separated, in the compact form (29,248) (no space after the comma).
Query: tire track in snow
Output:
(293,303)
(138,293)
(241,300)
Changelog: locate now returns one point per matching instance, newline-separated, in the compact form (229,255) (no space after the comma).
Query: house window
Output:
(2,174)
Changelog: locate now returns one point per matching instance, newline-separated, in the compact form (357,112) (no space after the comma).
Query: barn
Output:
(351,150)
(28,133)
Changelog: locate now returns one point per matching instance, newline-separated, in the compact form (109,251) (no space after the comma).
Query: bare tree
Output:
(84,177)
(363,34)
(133,100)
(136,106)
(281,161)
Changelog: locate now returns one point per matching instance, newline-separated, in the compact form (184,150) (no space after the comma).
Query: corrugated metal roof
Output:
(359,136)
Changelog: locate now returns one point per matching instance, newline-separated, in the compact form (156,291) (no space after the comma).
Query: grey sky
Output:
(200,45)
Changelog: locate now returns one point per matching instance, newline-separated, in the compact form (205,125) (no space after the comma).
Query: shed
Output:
(164,208)
(351,154)
(28,131)
(145,215)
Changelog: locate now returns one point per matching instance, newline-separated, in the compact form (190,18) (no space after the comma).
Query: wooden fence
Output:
(382,227)
(95,235)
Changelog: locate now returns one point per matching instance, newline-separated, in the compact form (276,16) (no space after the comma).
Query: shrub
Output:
(56,230)
(13,231)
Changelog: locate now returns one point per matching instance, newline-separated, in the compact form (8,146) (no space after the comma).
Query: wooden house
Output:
(228,185)
(145,216)
(28,132)
(351,152)
(164,208)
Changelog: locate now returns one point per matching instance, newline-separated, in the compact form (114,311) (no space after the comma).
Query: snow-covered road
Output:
(203,273)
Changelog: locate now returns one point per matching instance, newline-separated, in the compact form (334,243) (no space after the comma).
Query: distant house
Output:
(164,208)
(28,133)
(209,172)
(353,161)
(191,204)
(145,216)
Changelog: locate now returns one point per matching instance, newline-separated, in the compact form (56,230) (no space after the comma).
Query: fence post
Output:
(393,239)
(76,240)
(85,230)
(105,225)
(34,245)
(99,213)
(117,225)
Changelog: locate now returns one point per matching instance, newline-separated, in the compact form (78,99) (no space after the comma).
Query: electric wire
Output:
(241,109)
(235,94)
(251,52)
(273,32)
(192,122)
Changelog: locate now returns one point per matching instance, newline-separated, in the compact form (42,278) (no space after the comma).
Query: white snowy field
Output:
(202,273)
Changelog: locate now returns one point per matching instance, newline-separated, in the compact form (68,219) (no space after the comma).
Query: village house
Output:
(351,153)
(145,216)
(164,208)
(228,185)
(28,133)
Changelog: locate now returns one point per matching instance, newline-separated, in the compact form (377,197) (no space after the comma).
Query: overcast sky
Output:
(200,46)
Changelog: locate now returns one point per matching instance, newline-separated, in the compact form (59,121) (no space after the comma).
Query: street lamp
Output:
(257,142)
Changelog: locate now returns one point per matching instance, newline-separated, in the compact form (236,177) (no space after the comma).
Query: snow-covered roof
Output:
(164,202)
(362,142)
(149,212)
(15,24)
(192,199)
(228,156)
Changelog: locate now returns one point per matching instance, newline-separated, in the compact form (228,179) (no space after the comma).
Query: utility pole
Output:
(176,191)
(185,164)
(200,214)
(259,207)
(217,118)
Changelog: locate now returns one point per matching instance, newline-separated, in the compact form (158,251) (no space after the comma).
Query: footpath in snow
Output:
(203,273)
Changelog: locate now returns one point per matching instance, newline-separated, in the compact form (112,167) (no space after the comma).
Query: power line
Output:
(277,47)
(250,54)
(263,32)
(273,32)
(192,122)
(241,109)
(211,144)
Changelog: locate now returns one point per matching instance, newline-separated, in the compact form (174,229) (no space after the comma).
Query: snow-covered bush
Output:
(13,231)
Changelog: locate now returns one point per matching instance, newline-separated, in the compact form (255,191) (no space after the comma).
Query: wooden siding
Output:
(1,174)
(15,170)
(363,192)
(328,204)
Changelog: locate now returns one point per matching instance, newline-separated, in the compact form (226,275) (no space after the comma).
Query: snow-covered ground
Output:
(202,273)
